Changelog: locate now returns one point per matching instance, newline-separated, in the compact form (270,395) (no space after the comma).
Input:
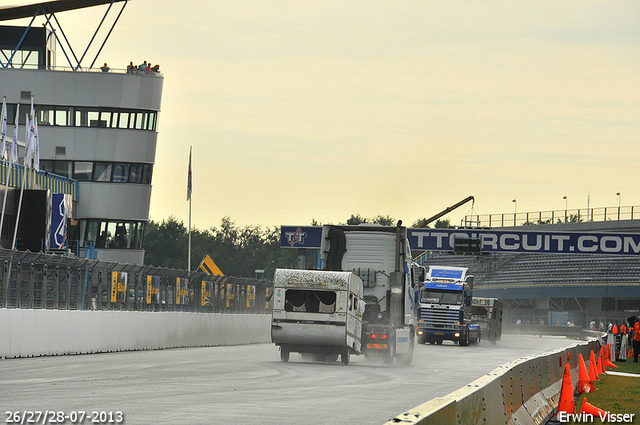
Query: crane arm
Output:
(447,210)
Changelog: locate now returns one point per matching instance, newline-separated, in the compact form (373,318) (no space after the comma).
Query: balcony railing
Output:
(12,175)
(553,217)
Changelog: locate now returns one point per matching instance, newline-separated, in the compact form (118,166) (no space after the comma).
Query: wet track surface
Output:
(248,384)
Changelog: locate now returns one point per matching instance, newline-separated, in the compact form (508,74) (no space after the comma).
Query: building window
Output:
(135,173)
(63,168)
(82,171)
(63,116)
(76,116)
(102,171)
(108,234)
(146,174)
(121,172)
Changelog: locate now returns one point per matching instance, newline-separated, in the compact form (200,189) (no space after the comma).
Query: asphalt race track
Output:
(247,384)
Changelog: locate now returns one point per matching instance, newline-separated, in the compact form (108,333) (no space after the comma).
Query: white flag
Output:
(36,146)
(14,142)
(3,128)
(189,178)
(30,142)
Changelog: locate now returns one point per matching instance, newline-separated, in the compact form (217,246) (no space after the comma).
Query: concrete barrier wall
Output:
(26,332)
(525,391)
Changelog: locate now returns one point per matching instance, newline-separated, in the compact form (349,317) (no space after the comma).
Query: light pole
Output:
(566,201)
(515,211)
(619,203)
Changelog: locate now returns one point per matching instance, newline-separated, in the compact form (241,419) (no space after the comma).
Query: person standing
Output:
(623,343)
(636,341)
(611,342)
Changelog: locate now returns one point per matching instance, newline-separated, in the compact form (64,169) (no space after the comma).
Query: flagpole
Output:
(27,161)
(4,148)
(189,188)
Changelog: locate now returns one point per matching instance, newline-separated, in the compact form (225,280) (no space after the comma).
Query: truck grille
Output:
(439,318)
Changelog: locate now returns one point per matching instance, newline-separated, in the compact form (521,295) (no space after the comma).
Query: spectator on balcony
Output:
(105,68)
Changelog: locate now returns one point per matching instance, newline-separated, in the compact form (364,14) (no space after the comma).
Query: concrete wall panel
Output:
(52,332)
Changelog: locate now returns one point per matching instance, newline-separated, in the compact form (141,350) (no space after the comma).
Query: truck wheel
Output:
(439,342)
(344,357)
(406,359)
(465,341)
(422,339)
(388,358)
(284,355)
(332,358)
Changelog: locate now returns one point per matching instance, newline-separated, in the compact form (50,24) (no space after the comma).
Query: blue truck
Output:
(444,304)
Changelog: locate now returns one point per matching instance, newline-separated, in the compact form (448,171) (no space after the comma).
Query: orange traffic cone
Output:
(590,409)
(592,361)
(600,365)
(593,374)
(566,403)
(607,353)
(585,385)
(608,363)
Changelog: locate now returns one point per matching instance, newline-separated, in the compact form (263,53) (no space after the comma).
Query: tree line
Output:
(237,251)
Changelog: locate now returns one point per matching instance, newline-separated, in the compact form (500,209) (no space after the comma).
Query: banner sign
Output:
(231,294)
(182,290)
(205,293)
(520,241)
(60,212)
(118,286)
(300,236)
(528,241)
(153,289)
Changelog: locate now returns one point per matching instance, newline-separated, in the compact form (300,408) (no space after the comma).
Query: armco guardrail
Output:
(38,332)
(525,391)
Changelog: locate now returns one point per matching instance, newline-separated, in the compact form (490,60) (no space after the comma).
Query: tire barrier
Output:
(525,391)
(36,332)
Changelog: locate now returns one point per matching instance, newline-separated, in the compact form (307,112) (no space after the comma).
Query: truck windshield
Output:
(441,297)
(310,301)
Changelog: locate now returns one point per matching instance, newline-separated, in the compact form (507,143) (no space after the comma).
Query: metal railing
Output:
(49,281)
(12,174)
(553,217)
(60,68)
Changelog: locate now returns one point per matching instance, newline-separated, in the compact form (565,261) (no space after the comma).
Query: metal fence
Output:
(553,217)
(49,281)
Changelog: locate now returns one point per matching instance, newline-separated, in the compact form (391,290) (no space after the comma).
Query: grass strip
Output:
(615,394)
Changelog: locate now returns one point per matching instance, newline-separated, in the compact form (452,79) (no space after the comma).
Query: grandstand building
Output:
(98,129)
(554,289)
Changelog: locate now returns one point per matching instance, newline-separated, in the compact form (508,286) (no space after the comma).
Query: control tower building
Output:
(98,127)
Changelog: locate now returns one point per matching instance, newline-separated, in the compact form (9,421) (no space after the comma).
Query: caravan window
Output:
(310,301)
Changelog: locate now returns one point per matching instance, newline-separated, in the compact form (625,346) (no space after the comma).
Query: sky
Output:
(308,110)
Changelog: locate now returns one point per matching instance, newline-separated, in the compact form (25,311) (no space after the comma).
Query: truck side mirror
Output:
(467,299)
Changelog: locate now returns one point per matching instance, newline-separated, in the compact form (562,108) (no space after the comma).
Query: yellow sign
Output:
(231,289)
(153,288)
(118,284)
(206,294)
(182,290)
(209,267)
(251,295)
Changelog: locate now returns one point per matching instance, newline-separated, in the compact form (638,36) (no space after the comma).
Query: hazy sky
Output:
(301,110)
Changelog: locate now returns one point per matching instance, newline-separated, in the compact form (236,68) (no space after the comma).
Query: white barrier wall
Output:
(523,392)
(52,332)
